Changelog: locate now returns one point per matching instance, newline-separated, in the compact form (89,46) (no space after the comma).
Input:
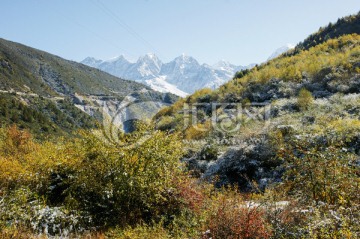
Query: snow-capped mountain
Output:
(147,67)
(182,76)
(280,51)
(115,66)
(91,61)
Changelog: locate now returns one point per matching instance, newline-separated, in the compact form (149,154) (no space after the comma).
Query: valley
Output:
(146,149)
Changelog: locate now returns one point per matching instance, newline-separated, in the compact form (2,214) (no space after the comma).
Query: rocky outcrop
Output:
(250,165)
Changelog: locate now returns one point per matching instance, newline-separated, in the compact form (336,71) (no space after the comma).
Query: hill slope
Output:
(48,74)
(343,26)
(237,131)
(35,78)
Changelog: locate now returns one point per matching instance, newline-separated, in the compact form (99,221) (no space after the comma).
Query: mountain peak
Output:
(91,61)
(89,58)
(147,66)
(290,45)
(118,58)
(183,58)
(281,50)
(150,56)
(222,63)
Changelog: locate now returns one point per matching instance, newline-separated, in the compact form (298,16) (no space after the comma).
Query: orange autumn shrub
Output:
(231,218)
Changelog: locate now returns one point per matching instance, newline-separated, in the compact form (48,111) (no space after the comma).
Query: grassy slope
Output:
(329,68)
(22,65)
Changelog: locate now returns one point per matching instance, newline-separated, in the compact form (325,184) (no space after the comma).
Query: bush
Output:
(332,222)
(105,184)
(198,94)
(321,174)
(166,111)
(140,232)
(129,185)
(166,123)
(198,131)
(305,99)
(230,217)
(22,210)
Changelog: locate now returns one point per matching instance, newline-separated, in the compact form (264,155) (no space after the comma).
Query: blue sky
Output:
(239,31)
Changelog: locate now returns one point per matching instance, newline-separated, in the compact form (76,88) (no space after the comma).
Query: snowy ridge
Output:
(160,84)
(280,51)
(181,76)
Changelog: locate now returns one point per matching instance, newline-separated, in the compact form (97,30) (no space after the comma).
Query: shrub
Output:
(22,210)
(198,131)
(140,232)
(321,173)
(305,99)
(104,183)
(198,94)
(230,217)
(166,111)
(127,185)
(331,222)
(16,141)
(166,123)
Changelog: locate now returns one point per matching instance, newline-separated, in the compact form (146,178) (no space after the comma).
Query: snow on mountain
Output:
(91,61)
(160,84)
(280,51)
(224,69)
(181,76)
(226,66)
(183,72)
(117,66)
(146,67)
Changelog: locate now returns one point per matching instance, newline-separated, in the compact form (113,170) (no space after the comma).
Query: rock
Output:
(321,94)
(354,85)
(285,129)
(243,164)
(308,120)
(54,80)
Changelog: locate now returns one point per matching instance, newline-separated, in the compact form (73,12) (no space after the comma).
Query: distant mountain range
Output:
(181,76)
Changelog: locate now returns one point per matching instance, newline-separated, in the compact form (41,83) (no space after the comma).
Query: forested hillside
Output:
(45,93)
(343,26)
